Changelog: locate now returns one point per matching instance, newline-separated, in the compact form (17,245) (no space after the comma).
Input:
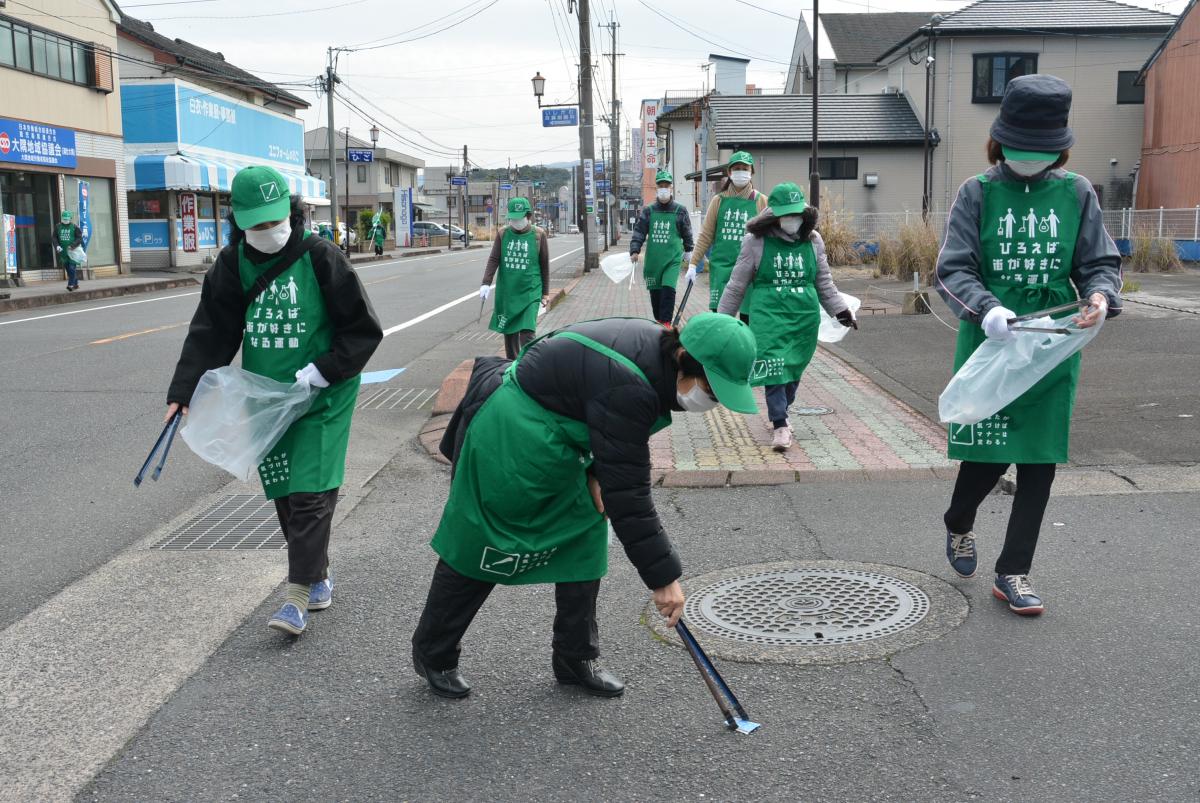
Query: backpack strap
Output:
(291,256)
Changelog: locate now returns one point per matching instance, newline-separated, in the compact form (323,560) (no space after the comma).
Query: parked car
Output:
(572,229)
(430,228)
(459,234)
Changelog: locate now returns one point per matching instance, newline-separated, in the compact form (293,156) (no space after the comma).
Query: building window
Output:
(841,168)
(993,71)
(144,205)
(43,53)
(1127,90)
(361,174)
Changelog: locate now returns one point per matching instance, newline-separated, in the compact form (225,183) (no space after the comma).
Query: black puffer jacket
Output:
(619,408)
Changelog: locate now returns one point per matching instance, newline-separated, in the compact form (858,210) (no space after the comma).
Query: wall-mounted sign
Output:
(362,155)
(187,216)
(36,144)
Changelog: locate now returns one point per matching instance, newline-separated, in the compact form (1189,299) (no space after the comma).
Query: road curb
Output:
(55,299)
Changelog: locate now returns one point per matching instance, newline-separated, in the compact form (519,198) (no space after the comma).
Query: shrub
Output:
(1150,253)
(913,250)
(836,229)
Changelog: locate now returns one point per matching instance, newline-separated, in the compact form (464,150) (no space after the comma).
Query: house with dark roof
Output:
(1169,175)
(850,47)
(191,120)
(1096,46)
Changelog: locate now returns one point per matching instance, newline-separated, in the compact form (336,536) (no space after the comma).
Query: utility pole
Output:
(814,175)
(330,80)
(614,178)
(464,195)
(604,205)
(587,150)
(346,210)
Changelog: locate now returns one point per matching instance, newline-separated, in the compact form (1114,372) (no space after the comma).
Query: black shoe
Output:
(70,288)
(588,673)
(447,683)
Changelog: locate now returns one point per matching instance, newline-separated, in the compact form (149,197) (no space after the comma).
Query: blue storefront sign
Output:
(206,233)
(554,118)
(36,144)
(362,155)
(148,235)
(85,212)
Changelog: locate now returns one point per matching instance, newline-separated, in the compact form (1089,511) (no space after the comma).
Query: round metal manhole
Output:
(794,410)
(808,606)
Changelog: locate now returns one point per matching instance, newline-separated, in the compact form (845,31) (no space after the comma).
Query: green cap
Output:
(741,158)
(664,175)
(518,208)
(786,199)
(725,347)
(66,216)
(259,195)
(1014,155)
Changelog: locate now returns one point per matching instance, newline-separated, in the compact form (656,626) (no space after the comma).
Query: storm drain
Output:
(478,337)
(396,398)
(242,521)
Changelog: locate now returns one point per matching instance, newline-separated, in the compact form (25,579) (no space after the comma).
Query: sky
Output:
(436,76)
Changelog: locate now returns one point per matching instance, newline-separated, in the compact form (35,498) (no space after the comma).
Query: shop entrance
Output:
(30,196)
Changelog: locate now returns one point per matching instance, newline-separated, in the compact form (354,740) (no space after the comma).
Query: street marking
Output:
(99,309)
(102,341)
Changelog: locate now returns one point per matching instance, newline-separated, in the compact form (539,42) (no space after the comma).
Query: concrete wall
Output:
(899,170)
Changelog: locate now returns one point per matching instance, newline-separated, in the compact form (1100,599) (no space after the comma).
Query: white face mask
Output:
(790,223)
(520,225)
(740,178)
(664,194)
(272,240)
(696,400)
(1030,167)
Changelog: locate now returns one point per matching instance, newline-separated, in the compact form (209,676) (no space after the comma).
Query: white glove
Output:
(484,291)
(309,375)
(691,274)
(995,324)
(687,257)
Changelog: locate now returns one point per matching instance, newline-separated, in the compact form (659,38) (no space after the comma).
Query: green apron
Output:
(64,233)
(520,510)
(379,235)
(784,311)
(1027,247)
(518,283)
(732,216)
(287,327)
(664,250)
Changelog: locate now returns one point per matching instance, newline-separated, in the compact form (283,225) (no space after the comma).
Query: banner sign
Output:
(187,214)
(555,118)
(649,127)
(403,206)
(36,144)
(362,155)
(636,138)
(85,212)
(10,243)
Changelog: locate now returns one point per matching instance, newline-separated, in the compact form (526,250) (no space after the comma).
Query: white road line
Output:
(99,309)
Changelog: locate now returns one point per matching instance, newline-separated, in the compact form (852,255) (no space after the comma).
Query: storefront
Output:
(43,171)
(183,147)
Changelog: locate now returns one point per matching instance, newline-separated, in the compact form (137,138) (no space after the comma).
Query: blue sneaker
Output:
(960,551)
(289,619)
(1017,591)
(320,596)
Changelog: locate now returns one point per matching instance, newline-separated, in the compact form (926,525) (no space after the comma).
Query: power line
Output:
(430,33)
(288,13)
(706,39)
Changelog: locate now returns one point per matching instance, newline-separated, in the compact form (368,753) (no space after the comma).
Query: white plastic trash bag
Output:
(236,417)
(830,331)
(997,374)
(78,255)
(617,267)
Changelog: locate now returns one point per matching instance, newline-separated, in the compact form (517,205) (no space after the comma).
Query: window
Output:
(7,56)
(842,168)
(361,174)
(1127,90)
(204,206)
(993,71)
(147,205)
(43,53)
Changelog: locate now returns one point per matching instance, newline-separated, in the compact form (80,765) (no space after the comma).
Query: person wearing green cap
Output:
(378,234)
(67,236)
(783,271)
(665,228)
(289,300)
(521,256)
(725,225)
(543,450)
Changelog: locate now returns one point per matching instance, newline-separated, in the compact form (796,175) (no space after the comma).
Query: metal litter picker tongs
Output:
(736,718)
(1033,316)
(164,442)
(683,303)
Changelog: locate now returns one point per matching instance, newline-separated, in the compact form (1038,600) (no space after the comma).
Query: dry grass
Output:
(914,250)
(1153,254)
(1131,286)
(836,228)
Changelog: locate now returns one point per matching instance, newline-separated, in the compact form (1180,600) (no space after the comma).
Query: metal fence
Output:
(870,226)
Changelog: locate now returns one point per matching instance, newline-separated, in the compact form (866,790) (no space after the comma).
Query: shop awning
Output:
(156,171)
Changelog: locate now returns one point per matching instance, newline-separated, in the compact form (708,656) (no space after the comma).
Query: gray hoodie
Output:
(749,258)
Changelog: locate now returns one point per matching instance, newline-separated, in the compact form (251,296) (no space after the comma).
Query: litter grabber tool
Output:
(736,718)
(165,439)
(482,302)
(1033,316)
(683,303)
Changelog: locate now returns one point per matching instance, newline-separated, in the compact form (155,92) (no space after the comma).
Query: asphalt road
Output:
(83,396)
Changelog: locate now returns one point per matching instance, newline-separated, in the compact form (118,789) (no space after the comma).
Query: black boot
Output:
(446,683)
(588,673)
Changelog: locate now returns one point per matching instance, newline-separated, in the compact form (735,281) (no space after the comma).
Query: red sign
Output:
(5,143)
(187,214)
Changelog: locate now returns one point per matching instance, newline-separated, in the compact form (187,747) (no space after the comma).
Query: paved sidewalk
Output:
(44,294)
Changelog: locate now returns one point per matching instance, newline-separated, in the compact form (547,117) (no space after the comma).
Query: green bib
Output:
(1027,248)
(732,216)
(518,283)
(784,311)
(664,250)
(287,327)
(519,510)
(64,233)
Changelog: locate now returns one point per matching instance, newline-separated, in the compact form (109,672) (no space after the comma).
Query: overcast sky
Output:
(469,84)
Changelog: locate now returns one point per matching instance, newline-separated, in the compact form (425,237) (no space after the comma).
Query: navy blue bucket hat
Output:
(1033,115)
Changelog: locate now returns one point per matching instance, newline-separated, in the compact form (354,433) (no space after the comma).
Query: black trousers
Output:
(662,304)
(454,599)
(306,519)
(516,341)
(976,481)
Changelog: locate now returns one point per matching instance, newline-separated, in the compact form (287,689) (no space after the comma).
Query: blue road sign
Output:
(601,184)
(458,181)
(554,118)
(363,155)
(506,186)
(599,166)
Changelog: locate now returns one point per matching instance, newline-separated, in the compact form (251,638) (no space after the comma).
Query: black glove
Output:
(846,318)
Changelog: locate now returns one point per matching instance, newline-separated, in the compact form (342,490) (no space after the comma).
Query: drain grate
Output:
(242,521)
(395,398)
(478,337)
(807,607)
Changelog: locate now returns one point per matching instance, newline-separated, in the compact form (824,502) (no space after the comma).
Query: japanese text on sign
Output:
(187,215)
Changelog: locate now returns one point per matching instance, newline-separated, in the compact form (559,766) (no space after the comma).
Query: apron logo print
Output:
(497,562)
(962,434)
(758,370)
(270,191)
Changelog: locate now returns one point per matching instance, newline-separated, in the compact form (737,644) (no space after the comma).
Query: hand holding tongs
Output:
(164,442)
(1052,311)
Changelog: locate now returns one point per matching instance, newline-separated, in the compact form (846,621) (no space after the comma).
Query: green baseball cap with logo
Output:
(725,347)
(66,216)
(786,199)
(259,195)
(664,175)
(741,158)
(518,208)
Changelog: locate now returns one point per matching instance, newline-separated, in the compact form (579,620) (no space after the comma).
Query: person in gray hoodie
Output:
(783,270)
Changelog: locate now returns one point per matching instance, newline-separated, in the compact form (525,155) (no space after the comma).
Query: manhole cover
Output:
(809,410)
(808,606)
(242,521)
